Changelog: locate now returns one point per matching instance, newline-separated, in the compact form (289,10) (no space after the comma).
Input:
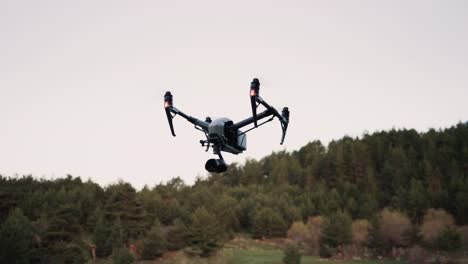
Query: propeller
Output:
(254,92)
(284,122)
(167,105)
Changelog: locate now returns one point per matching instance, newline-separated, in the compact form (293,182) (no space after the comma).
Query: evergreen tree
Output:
(449,240)
(102,239)
(16,238)
(268,223)
(176,235)
(154,243)
(337,229)
(117,237)
(417,200)
(123,256)
(204,236)
(226,211)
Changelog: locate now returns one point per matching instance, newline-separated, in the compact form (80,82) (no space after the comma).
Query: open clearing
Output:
(248,251)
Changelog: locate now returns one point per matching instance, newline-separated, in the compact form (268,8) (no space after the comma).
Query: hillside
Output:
(351,179)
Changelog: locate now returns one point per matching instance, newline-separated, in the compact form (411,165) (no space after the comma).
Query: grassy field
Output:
(247,251)
(257,256)
(261,256)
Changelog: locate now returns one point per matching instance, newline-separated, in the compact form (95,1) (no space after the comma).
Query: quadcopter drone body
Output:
(222,134)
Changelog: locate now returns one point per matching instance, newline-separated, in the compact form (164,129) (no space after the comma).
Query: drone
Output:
(222,134)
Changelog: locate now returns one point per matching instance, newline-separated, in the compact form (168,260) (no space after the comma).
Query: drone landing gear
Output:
(216,165)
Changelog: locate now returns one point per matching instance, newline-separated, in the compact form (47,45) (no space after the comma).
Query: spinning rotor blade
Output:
(284,122)
(255,101)
(167,106)
(254,93)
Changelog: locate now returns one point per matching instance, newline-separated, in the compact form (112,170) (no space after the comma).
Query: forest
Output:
(391,194)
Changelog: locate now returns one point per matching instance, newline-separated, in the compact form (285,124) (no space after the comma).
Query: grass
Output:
(256,256)
(248,251)
(262,256)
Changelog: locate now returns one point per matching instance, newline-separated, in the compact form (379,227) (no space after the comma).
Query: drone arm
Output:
(193,120)
(251,120)
(256,100)
(169,108)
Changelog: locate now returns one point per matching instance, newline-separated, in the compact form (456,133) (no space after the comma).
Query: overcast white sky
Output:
(82,82)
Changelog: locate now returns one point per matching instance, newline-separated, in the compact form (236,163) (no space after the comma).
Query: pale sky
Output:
(82,82)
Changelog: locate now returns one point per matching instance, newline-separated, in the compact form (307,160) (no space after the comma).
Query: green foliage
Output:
(325,251)
(292,255)
(204,235)
(102,238)
(122,205)
(123,256)
(16,238)
(63,224)
(376,241)
(337,230)
(66,254)
(268,223)
(176,235)
(154,243)
(298,232)
(417,200)
(226,211)
(402,169)
(116,237)
(449,240)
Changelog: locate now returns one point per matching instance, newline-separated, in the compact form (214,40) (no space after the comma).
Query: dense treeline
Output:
(58,221)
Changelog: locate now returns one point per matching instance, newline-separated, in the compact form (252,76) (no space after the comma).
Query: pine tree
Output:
(16,238)
(204,236)
(337,230)
(117,236)
(417,201)
(176,235)
(154,243)
(268,223)
(102,239)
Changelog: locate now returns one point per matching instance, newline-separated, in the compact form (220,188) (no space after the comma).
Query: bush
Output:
(123,256)
(298,232)
(292,255)
(394,228)
(315,227)
(449,240)
(434,223)
(360,229)
(63,253)
(72,254)
(325,251)
(417,254)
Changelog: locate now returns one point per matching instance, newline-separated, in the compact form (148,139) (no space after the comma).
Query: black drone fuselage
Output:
(222,134)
